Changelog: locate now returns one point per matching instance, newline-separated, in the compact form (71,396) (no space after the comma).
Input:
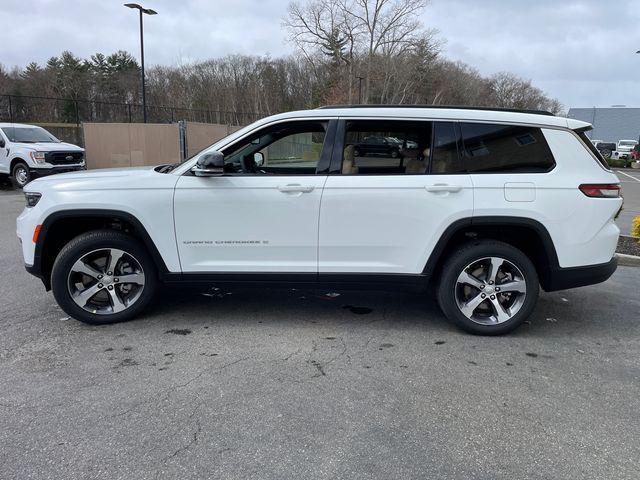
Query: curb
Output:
(628,260)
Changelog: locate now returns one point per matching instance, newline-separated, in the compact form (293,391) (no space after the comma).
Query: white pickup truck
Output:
(28,151)
(624,148)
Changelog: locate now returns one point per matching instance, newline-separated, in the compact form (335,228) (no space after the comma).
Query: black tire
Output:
(468,254)
(20,174)
(394,153)
(356,152)
(89,242)
(606,154)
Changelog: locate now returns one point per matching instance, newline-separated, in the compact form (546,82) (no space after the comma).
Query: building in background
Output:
(610,124)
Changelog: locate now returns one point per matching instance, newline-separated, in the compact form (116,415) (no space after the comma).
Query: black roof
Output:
(457,107)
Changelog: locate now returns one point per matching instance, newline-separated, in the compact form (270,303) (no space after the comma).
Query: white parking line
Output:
(627,175)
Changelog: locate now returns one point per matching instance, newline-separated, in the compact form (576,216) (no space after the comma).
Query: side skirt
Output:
(338,281)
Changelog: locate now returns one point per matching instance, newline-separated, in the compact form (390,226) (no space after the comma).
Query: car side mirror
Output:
(258,157)
(209,165)
(2,144)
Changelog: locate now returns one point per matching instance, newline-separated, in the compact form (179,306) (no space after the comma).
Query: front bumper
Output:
(37,272)
(44,172)
(565,278)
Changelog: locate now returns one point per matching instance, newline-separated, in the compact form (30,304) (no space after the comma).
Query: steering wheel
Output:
(249,165)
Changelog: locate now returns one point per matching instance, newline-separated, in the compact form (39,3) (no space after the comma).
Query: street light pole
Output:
(360,89)
(144,93)
(148,11)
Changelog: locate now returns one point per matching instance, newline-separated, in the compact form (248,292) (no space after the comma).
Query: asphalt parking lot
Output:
(630,180)
(301,385)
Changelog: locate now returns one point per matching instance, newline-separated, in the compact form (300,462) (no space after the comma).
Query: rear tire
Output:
(20,174)
(103,277)
(488,287)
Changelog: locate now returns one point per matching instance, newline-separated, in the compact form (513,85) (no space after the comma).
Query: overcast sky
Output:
(579,51)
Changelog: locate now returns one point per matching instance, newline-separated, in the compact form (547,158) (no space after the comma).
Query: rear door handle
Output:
(443,187)
(295,188)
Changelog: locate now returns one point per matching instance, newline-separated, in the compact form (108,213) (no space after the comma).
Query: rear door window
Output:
(505,148)
(386,147)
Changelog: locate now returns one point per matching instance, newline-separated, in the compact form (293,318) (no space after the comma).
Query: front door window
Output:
(291,149)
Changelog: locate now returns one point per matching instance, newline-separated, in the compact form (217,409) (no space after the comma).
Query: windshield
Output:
(29,135)
(628,143)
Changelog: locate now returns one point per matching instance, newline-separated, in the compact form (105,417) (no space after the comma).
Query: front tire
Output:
(488,288)
(20,174)
(103,277)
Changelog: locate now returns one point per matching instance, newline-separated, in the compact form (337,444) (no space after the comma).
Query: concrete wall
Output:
(201,135)
(135,144)
(130,144)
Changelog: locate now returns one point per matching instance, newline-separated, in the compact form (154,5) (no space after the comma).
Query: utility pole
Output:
(148,11)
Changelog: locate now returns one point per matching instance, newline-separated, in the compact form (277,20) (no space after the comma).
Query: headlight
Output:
(32,198)
(38,157)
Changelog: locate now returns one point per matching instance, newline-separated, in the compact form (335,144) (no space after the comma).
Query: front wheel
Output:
(488,288)
(103,277)
(20,174)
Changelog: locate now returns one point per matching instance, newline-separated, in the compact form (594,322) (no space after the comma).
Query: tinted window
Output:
(602,146)
(386,148)
(505,148)
(444,156)
(28,135)
(294,149)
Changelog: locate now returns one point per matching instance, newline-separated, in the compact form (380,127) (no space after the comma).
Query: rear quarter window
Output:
(505,148)
(596,153)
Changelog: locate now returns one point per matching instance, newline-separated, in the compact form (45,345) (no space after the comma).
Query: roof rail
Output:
(458,107)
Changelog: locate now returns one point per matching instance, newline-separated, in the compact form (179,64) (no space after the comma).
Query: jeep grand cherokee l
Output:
(486,205)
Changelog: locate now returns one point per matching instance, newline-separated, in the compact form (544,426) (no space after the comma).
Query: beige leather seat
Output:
(417,166)
(349,166)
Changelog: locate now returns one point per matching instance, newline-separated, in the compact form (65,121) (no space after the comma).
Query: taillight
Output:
(601,191)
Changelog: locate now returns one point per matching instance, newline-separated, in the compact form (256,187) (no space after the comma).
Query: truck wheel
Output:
(102,277)
(488,288)
(20,174)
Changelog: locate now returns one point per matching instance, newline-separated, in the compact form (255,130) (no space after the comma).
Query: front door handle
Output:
(443,187)
(296,188)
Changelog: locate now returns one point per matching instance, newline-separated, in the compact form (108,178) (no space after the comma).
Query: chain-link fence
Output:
(52,110)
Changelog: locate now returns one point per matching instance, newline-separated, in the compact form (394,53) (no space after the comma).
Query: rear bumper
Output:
(565,278)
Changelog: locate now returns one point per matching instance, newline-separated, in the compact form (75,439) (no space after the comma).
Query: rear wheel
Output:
(488,288)
(103,277)
(20,174)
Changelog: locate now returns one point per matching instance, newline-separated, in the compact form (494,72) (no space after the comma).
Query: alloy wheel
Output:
(106,281)
(490,290)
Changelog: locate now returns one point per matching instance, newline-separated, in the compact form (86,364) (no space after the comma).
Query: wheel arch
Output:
(16,160)
(526,234)
(62,226)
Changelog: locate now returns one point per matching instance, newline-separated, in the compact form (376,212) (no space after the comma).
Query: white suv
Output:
(28,151)
(486,205)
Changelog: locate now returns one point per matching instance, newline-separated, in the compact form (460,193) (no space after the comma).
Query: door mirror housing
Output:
(210,164)
(2,144)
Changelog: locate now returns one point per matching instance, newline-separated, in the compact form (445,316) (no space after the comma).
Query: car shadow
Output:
(193,307)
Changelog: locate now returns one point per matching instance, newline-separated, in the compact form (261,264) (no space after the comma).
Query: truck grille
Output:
(64,158)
